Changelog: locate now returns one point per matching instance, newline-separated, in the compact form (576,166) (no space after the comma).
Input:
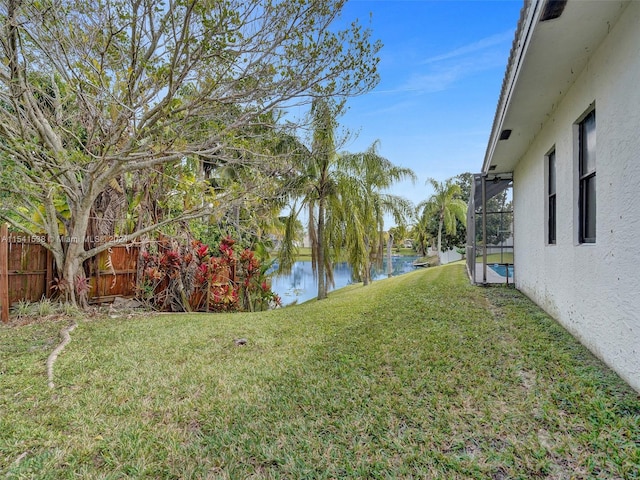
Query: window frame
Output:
(587,194)
(551,197)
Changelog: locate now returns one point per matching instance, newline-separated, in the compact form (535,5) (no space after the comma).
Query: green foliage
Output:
(344,195)
(120,118)
(364,179)
(24,310)
(498,221)
(314,184)
(443,211)
(46,307)
(195,277)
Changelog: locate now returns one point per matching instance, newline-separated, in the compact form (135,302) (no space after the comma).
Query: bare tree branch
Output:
(96,93)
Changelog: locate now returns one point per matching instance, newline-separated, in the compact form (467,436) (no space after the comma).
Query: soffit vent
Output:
(505,134)
(553,9)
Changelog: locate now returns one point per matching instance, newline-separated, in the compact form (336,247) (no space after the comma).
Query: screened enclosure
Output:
(489,249)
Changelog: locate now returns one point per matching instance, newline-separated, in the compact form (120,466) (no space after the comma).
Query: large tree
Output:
(345,196)
(445,207)
(314,190)
(364,180)
(458,237)
(95,94)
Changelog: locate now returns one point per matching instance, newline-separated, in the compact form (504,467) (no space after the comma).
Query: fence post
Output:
(48,279)
(4,272)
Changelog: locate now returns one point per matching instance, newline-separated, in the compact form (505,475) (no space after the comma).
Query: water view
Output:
(300,285)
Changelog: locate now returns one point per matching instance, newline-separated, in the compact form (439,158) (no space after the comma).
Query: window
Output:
(587,178)
(551,198)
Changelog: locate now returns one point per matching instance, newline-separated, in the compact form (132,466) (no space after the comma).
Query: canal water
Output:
(300,285)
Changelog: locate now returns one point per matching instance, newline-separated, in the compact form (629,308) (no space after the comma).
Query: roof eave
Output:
(549,53)
(518,48)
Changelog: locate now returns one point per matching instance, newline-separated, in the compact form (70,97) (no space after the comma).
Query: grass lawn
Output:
(403,251)
(418,376)
(304,254)
(506,257)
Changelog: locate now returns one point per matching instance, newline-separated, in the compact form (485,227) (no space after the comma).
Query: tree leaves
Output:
(92,91)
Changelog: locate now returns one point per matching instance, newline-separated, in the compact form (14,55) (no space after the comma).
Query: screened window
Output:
(551,198)
(587,178)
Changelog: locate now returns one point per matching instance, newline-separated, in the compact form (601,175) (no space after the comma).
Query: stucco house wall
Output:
(593,290)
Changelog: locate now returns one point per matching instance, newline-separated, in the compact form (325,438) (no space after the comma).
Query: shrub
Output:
(188,277)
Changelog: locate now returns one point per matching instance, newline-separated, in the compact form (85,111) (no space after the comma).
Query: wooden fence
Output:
(27,272)
(4,276)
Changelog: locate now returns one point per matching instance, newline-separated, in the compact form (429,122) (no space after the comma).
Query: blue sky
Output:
(441,71)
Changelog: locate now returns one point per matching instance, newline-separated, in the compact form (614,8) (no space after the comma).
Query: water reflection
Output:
(300,286)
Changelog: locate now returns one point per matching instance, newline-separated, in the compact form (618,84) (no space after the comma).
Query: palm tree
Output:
(363,178)
(314,186)
(420,235)
(344,197)
(446,206)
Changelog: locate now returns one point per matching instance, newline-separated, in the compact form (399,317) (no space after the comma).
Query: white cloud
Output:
(480,45)
(434,81)
(439,72)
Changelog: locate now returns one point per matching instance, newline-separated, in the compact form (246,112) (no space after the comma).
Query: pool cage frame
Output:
(490,230)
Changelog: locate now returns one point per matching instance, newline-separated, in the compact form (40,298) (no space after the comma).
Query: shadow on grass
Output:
(420,376)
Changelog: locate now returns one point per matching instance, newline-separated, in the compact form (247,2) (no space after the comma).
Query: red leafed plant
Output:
(186,277)
(201,249)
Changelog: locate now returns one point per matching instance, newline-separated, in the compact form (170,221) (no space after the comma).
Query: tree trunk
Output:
(74,251)
(366,274)
(439,239)
(69,273)
(389,266)
(322,281)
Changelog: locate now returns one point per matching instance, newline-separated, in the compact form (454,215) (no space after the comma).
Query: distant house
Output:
(567,132)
